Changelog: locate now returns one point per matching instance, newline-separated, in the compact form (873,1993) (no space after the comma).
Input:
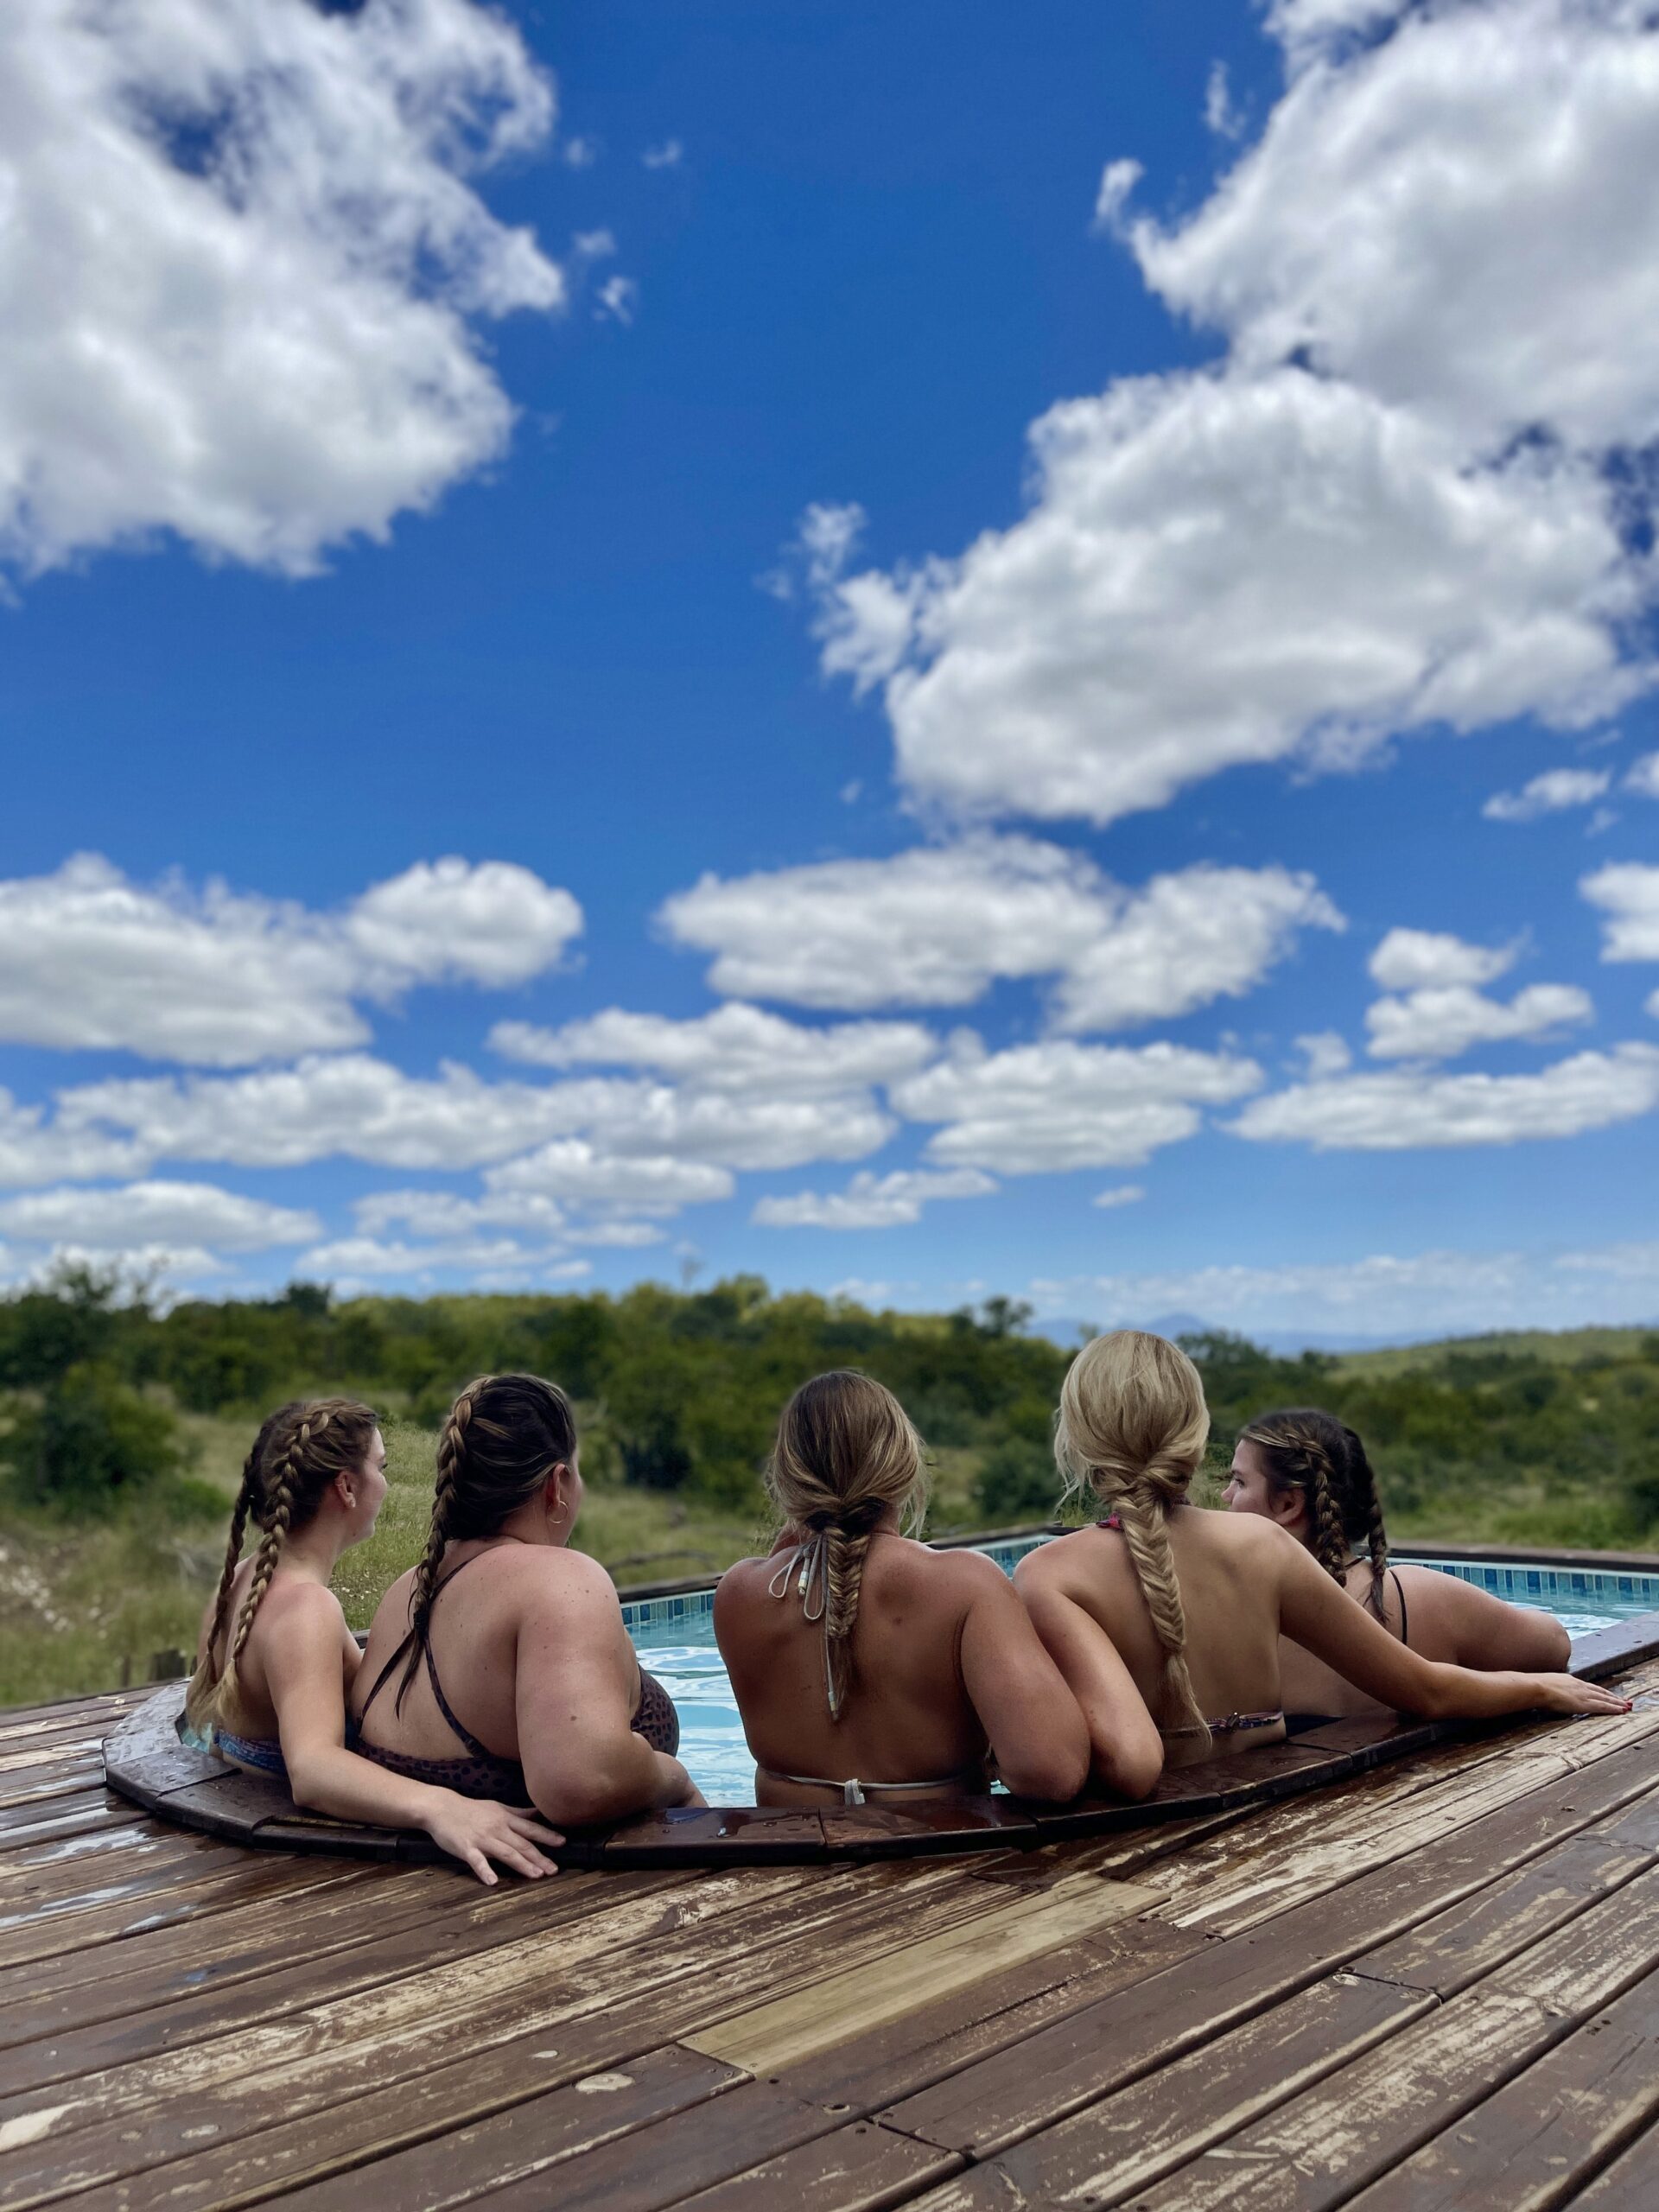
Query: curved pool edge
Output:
(145,1761)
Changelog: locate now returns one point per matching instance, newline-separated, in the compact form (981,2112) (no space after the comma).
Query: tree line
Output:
(680,1390)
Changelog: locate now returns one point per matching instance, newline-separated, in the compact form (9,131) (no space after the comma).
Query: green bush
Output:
(1018,1481)
(90,1441)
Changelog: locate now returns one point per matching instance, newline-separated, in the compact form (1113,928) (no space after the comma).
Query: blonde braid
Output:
(202,1695)
(1132,1428)
(451,1450)
(847,1545)
(1142,1516)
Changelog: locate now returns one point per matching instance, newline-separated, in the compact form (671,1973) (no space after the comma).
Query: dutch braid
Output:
(204,1684)
(300,1450)
(451,1457)
(1132,1428)
(1310,1450)
(278,1519)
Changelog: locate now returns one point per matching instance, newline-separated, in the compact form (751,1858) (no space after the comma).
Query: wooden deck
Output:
(1434,1985)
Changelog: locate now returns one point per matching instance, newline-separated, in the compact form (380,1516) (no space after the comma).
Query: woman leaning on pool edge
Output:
(1195,1602)
(524,1685)
(276,1660)
(866,1666)
(1307,1471)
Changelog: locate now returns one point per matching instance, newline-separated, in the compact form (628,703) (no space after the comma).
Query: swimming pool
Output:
(675,1638)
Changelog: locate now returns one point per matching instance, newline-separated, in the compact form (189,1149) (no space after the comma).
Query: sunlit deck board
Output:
(1431,1985)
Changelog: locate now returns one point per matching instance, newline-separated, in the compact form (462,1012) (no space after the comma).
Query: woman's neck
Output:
(314,1552)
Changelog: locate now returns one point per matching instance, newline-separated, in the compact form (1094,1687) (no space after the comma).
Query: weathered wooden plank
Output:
(861,2168)
(768,2037)
(1070,2064)
(950,2032)
(476,2033)
(534,2138)
(198,1944)
(107,1922)
(38,1783)
(1457,1946)
(1529,2147)
(1150,2128)
(411,1931)
(77,1812)
(73,1743)
(1330,2141)
(1630,2183)
(101,1702)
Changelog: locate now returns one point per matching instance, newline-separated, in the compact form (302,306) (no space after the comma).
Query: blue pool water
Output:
(675,1638)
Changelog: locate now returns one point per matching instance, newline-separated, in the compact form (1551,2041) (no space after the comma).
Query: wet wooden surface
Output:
(1433,1985)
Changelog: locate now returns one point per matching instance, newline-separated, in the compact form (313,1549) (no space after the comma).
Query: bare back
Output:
(246,1706)
(529,1648)
(946,1671)
(1231,1606)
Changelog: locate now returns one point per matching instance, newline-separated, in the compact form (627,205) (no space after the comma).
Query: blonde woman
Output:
(523,1685)
(869,1669)
(276,1660)
(1195,1603)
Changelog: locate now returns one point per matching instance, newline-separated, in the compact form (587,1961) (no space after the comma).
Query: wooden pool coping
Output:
(145,1761)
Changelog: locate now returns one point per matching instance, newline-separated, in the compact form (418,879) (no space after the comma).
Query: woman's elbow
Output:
(308,1784)
(1132,1768)
(1055,1775)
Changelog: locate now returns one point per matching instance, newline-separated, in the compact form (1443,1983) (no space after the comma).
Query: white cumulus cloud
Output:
(1440,1022)
(1416,960)
(1628,894)
(1218,569)
(241,259)
(1038,1109)
(217,977)
(1406,1109)
(156,1213)
(872,1201)
(736,1047)
(1643,776)
(938,924)
(1554,792)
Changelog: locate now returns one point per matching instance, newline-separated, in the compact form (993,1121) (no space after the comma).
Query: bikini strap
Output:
(1112,1521)
(1405,1618)
(384,1675)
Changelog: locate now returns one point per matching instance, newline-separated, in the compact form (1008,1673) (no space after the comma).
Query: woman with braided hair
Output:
(532,1649)
(276,1660)
(854,1653)
(1196,1603)
(1306,1470)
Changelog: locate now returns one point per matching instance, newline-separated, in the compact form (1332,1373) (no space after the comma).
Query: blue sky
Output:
(811,640)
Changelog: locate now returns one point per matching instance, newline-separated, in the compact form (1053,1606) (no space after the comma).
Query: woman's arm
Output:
(1037,1732)
(299,1629)
(1317,1613)
(1126,1752)
(575,1695)
(1481,1629)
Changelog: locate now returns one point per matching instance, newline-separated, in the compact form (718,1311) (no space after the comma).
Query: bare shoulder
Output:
(292,1601)
(744,1580)
(552,1574)
(1249,1536)
(1063,1561)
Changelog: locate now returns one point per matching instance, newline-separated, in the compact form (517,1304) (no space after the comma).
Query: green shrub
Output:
(90,1441)
(1017,1481)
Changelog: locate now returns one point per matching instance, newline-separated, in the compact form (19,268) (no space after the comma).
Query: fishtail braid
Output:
(845,1454)
(1141,1513)
(1132,1428)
